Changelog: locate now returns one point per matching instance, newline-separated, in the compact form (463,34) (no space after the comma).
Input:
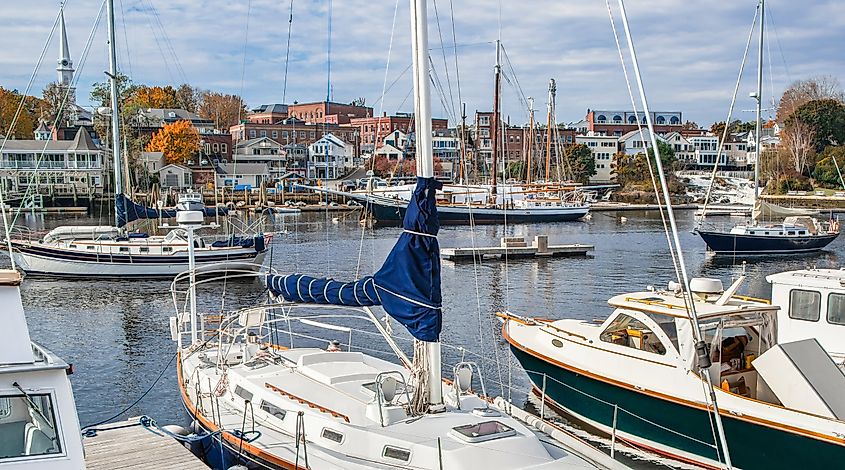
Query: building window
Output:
(263,133)
(601,118)
(224,148)
(627,331)
(252,133)
(632,119)
(617,119)
(275,134)
(804,304)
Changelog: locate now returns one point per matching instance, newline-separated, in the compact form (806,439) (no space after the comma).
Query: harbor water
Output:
(116,333)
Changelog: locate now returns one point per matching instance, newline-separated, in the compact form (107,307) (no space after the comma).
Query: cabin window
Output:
(272,409)
(246,395)
(332,435)
(124,249)
(626,330)
(166,249)
(90,247)
(28,426)
(804,304)
(790,233)
(397,453)
(144,249)
(836,309)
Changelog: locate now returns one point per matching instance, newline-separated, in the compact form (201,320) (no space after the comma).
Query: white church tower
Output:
(65,68)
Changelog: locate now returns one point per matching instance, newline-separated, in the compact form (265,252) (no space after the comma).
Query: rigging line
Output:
(771,72)
(730,111)
(83,59)
(520,93)
(441,93)
(125,38)
(381,108)
(287,54)
(6,227)
(167,41)
(158,43)
(443,51)
(243,61)
(642,137)
(396,80)
(671,215)
(773,28)
(325,123)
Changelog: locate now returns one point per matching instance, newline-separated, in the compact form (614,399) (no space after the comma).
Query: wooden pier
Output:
(130,445)
(517,247)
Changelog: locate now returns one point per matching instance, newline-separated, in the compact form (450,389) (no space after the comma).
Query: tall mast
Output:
(494,121)
(462,143)
(530,141)
(425,157)
(759,98)
(115,116)
(550,123)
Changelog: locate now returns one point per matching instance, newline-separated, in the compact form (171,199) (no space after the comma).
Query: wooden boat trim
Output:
(303,401)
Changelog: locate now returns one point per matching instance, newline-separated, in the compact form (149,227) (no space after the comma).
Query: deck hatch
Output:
(483,431)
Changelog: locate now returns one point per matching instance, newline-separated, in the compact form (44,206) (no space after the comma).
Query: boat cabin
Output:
(812,305)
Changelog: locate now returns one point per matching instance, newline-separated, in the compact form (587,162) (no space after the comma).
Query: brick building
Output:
(268,113)
(373,130)
(619,123)
(292,131)
(328,112)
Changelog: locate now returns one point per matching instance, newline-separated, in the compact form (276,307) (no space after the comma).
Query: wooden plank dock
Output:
(517,247)
(129,445)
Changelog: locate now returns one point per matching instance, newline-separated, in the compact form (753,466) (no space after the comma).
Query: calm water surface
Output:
(116,332)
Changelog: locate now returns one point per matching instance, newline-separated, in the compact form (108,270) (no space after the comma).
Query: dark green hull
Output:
(675,425)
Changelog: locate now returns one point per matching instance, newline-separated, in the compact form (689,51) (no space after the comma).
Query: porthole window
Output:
(332,435)
(557,343)
(396,453)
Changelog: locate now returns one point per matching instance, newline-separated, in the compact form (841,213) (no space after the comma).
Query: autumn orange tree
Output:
(224,110)
(178,142)
(155,97)
(28,119)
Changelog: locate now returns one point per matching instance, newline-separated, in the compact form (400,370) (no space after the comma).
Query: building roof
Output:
(82,143)
(276,108)
(151,156)
(42,127)
(173,115)
(242,168)
(332,139)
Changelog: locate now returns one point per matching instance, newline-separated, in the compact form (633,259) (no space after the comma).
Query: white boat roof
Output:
(818,278)
(671,304)
(15,347)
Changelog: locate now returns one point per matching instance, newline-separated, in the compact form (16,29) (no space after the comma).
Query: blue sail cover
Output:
(408,284)
(127,210)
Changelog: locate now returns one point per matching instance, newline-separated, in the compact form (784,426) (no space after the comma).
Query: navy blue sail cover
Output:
(127,211)
(408,284)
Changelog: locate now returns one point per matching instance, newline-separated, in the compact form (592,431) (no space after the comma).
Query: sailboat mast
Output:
(494,121)
(463,147)
(115,116)
(529,141)
(759,97)
(425,157)
(549,124)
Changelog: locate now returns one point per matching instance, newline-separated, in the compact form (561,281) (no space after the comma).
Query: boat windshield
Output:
(28,426)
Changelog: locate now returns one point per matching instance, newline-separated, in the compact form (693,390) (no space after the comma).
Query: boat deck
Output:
(130,445)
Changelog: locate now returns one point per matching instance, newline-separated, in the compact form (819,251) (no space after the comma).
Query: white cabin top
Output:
(812,303)
(15,346)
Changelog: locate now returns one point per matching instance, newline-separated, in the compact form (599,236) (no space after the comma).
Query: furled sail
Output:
(408,284)
(767,211)
(127,211)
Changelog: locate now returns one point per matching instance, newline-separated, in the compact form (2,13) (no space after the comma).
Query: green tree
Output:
(515,170)
(10,100)
(825,172)
(826,117)
(581,161)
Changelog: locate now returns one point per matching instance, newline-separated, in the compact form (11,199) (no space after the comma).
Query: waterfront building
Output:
(603,148)
(292,131)
(53,167)
(619,123)
(392,153)
(264,150)
(329,158)
(372,131)
(175,177)
(240,176)
(150,120)
(328,112)
(636,141)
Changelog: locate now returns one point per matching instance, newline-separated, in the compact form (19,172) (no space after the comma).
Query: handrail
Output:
(306,402)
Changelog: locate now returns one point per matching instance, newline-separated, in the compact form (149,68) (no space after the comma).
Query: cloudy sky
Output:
(689,51)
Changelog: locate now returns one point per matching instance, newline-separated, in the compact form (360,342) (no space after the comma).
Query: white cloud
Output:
(689,51)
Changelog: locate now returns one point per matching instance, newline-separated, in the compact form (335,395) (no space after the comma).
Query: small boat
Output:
(632,375)
(795,235)
(39,427)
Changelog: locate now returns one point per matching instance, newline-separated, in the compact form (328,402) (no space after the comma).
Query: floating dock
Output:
(517,247)
(128,444)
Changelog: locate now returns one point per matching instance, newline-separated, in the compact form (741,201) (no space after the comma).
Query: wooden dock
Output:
(517,247)
(130,445)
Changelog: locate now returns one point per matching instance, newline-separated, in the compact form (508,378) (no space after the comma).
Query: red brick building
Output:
(373,129)
(292,131)
(328,112)
(268,113)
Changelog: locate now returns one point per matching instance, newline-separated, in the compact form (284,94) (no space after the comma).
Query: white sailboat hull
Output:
(43,265)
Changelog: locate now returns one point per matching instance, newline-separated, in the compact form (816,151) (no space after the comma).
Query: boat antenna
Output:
(115,108)
(427,353)
(700,346)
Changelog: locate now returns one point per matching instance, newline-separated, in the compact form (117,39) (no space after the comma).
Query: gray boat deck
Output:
(116,447)
(516,247)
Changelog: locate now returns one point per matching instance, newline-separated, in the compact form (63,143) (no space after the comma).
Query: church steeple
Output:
(65,68)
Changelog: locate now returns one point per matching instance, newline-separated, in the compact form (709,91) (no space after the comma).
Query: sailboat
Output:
(111,251)
(266,405)
(39,427)
(796,234)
